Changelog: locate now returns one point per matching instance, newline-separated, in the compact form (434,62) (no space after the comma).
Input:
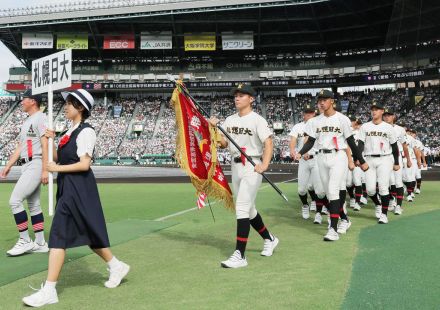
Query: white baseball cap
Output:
(83,96)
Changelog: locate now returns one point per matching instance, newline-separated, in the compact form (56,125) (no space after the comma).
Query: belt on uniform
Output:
(237,159)
(26,160)
(377,155)
(328,151)
(311,157)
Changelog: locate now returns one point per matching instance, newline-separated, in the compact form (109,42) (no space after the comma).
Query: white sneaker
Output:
(22,246)
(235,261)
(413,195)
(318,219)
(398,210)
(392,205)
(269,246)
(313,206)
(43,296)
(331,235)
(352,202)
(383,219)
(40,248)
(344,225)
(305,212)
(409,198)
(364,200)
(357,207)
(378,211)
(417,191)
(116,275)
(324,210)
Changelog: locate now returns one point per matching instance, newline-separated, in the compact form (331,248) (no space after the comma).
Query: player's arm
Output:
(406,153)
(12,160)
(44,155)
(357,151)
(292,146)
(83,165)
(219,138)
(351,165)
(395,151)
(267,156)
(418,157)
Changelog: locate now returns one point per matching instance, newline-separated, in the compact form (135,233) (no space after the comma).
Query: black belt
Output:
(327,151)
(24,160)
(237,160)
(377,155)
(311,157)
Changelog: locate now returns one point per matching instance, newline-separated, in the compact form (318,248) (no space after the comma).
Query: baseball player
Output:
(308,173)
(31,151)
(396,181)
(332,133)
(409,172)
(378,142)
(421,149)
(251,132)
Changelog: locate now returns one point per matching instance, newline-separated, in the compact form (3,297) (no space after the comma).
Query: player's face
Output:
(355,125)
(307,116)
(325,104)
(389,118)
(376,113)
(27,104)
(243,101)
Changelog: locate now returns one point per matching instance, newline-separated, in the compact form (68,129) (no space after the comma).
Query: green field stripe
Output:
(397,265)
(119,232)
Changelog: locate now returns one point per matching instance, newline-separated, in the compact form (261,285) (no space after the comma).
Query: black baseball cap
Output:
(388,111)
(244,89)
(28,94)
(325,94)
(309,109)
(377,105)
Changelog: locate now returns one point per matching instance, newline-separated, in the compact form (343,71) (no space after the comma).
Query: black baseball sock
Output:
(258,225)
(243,228)
(364,190)
(358,193)
(334,213)
(375,200)
(342,196)
(350,191)
(303,199)
(419,183)
(385,199)
(399,195)
(313,195)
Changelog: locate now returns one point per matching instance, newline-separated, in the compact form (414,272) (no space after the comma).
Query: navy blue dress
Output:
(78,219)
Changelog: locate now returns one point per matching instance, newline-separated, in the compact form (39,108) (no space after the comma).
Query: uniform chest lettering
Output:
(239,131)
(326,129)
(377,134)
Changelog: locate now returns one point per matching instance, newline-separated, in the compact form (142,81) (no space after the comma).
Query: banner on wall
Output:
(37,41)
(156,41)
(73,41)
(205,42)
(237,41)
(121,42)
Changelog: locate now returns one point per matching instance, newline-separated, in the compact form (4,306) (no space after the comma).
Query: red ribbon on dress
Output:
(64,140)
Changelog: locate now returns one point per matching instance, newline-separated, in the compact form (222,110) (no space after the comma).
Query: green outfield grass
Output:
(176,264)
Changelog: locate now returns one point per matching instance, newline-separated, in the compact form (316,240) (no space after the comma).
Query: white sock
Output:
(113,263)
(25,235)
(39,237)
(50,285)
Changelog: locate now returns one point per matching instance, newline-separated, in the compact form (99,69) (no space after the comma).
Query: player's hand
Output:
(298,156)
(260,168)
(52,167)
(49,133)
(408,163)
(213,121)
(351,166)
(364,166)
(419,164)
(292,155)
(357,163)
(44,177)
(5,172)
(425,165)
(396,167)
(306,156)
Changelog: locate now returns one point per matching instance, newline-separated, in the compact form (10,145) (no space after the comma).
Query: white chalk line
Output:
(195,208)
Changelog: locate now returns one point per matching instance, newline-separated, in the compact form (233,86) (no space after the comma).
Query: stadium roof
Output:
(285,28)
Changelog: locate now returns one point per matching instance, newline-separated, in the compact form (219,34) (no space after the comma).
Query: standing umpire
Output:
(32,153)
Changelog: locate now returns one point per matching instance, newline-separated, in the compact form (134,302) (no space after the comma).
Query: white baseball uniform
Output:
(249,132)
(396,176)
(378,154)
(308,173)
(331,134)
(409,174)
(420,147)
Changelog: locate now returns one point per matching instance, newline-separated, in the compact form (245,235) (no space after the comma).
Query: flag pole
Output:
(50,153)
(210,208)
(185,90)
